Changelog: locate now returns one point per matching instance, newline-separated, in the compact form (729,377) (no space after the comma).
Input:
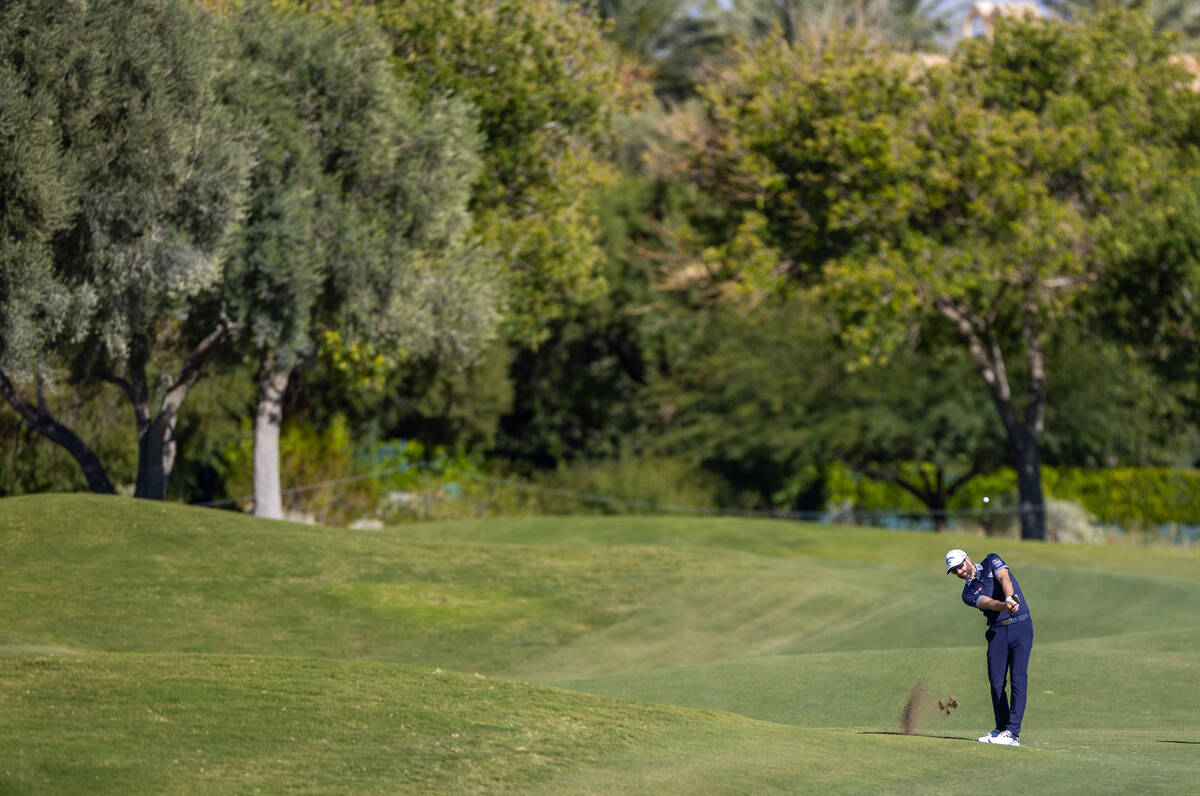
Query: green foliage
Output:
(1153,300)
(635,485)
(339,481)
(846,489)
(438,403)
(982,196)
(673,43)
(1181,17)
(742,397)
(212,423)
(545,84)
(417,483)
(152,164)
(764,397)
(308,456)
(904,24)
(1131,497)
(335,480)
(37,202)
(1107,407)
(584,390)
(982,184)
(357,222)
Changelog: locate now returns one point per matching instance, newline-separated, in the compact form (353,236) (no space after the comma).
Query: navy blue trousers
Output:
(1008,658)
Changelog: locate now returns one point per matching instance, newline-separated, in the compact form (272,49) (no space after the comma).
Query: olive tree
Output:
(122,175)
(357,227)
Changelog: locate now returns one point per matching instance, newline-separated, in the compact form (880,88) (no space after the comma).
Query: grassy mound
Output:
(138,723)
(148,646)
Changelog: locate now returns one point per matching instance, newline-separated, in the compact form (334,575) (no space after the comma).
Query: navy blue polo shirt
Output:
(984,584)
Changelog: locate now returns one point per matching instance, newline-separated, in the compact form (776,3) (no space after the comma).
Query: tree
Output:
(1179,16)
(899,423)
(119,105)
(546,84)
(981,195)
(356,232)
(1152,301)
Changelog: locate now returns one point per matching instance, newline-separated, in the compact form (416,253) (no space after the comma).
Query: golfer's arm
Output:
(1005,582)
(988,604)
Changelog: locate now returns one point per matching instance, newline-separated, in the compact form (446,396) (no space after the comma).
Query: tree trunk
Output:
(937,510)
(1024,436)
(1029,483)
(156,433)
(40,420)
(156,455)
(268,417)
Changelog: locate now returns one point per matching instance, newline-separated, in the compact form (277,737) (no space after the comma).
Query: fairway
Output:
(150,647)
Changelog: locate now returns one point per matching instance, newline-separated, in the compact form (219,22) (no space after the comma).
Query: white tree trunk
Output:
(268,494)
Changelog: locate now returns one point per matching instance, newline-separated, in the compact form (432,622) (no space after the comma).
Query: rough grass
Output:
(154,647)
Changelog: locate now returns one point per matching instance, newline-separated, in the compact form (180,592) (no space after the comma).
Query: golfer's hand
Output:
(1012,608)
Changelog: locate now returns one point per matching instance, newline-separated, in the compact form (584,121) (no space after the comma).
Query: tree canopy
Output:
(983,194)
(545,83)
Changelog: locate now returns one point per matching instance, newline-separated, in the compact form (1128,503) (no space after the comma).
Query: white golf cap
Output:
(954,558)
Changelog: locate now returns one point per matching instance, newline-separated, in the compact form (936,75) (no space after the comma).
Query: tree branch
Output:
(989,359)
(40,420)
(189,371)
(888,474)
(1070,281)
(929,485)
(112,378)
(977,468)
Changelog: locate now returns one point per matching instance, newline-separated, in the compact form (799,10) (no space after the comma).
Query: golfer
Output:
(992,589)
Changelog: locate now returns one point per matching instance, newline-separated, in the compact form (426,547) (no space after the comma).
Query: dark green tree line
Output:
(1007,238)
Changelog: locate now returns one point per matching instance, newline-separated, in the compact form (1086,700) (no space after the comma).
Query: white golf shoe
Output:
(988,738)
(1006,738)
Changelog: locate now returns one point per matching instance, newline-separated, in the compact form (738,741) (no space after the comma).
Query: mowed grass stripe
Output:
(151,723)
(773,759)
(202,724)
(1071,688)
(769,537)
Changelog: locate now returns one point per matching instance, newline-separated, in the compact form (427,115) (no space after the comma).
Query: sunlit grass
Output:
(154,647)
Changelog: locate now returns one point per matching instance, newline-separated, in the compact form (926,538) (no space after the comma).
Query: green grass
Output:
(137,723)
(154,647)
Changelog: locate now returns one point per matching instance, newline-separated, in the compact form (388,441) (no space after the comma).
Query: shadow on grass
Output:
(943,737)
(1197,743)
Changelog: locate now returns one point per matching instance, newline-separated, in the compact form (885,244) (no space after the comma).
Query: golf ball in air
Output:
(987,499)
